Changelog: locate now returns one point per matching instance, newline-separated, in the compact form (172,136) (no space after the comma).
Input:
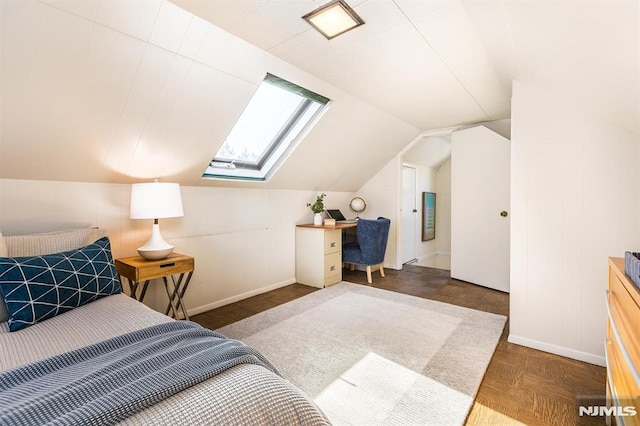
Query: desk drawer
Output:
(332,241)
(333,265)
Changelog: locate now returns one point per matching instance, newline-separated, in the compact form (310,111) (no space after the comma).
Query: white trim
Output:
(411,165)
(426,256)
(232,299)
(558,350)
(426,134)
(434,253)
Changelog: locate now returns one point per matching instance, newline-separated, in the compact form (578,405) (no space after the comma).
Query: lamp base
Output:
(156,247)
(155,254)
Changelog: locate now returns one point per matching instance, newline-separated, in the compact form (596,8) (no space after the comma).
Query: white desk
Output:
(319,254)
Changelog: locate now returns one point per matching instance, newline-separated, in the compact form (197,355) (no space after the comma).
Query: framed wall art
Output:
(428,216)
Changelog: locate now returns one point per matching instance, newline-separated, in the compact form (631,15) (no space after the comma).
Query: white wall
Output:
(443,208)
(382,194)
(574,202)
(243,240)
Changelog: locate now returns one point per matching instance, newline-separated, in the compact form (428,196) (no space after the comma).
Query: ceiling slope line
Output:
(425,134)
(489,117)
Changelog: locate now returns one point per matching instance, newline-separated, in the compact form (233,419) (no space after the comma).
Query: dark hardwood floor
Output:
(521,385)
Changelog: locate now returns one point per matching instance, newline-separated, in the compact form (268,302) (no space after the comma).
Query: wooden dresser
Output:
(623,345)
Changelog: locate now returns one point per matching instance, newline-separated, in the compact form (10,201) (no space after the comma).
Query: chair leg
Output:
(369,280)
(382,270)
(352,267)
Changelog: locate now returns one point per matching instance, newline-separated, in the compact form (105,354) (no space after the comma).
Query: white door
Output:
(480,194)
(409,214)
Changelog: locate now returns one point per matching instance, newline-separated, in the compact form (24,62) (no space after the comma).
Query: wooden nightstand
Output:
(136,270)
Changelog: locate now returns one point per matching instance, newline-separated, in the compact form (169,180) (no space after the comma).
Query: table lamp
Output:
(155,200)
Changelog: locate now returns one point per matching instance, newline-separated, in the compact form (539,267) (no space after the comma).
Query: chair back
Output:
(372,238)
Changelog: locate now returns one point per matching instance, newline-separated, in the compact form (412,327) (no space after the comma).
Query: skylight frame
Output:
(310,108)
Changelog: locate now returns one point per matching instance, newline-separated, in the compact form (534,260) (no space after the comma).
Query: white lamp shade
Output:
(155,200)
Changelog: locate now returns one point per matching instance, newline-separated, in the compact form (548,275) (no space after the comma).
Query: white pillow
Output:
(3,253)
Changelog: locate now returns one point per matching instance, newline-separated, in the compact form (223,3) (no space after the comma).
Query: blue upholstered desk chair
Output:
(372,243)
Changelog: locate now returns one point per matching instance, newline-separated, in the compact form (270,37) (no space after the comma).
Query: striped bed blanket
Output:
(109,381)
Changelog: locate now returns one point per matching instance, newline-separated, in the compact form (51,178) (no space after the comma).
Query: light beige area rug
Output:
(371,357)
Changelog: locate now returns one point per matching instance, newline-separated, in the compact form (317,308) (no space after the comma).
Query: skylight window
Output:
(276,118)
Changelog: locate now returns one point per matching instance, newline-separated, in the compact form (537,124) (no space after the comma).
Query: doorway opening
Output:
(427,170)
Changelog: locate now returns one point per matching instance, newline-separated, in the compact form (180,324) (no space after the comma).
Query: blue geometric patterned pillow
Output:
(41,287)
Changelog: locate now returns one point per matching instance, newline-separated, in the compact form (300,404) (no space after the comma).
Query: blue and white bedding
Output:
(241,394)
(111,380)
(63,316)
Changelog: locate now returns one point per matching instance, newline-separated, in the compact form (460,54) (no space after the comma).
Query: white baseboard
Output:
(232,299)
(558,350)
(435,253)
(426,256)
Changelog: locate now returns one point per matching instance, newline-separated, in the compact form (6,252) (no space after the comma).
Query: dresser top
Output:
(617,265)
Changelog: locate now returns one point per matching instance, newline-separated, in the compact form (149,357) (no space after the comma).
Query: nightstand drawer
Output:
(138,269)
(165,268)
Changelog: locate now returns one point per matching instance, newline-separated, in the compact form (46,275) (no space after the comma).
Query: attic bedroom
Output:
(522,117)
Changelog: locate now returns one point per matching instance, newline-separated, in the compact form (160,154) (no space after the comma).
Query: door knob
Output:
(503,213)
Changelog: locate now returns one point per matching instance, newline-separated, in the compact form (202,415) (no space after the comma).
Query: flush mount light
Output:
(333,19)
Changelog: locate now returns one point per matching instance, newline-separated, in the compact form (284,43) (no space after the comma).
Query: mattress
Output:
(245,394)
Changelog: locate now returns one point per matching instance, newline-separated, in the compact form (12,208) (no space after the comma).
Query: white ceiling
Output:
(131,90)
(432,152)
(438,63)
(125,91)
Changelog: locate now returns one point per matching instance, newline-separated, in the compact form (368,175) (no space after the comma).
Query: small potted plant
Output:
(317,208)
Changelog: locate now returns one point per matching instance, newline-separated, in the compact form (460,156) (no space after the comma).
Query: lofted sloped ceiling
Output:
(439,63)
(130,90)
(418,60)
(127,91)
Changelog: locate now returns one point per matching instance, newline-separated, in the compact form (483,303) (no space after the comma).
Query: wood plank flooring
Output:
(521,385)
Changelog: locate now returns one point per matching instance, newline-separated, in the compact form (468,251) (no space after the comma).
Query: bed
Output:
(67,345)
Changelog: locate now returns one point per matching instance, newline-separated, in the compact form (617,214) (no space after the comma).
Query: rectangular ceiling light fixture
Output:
(333,19)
